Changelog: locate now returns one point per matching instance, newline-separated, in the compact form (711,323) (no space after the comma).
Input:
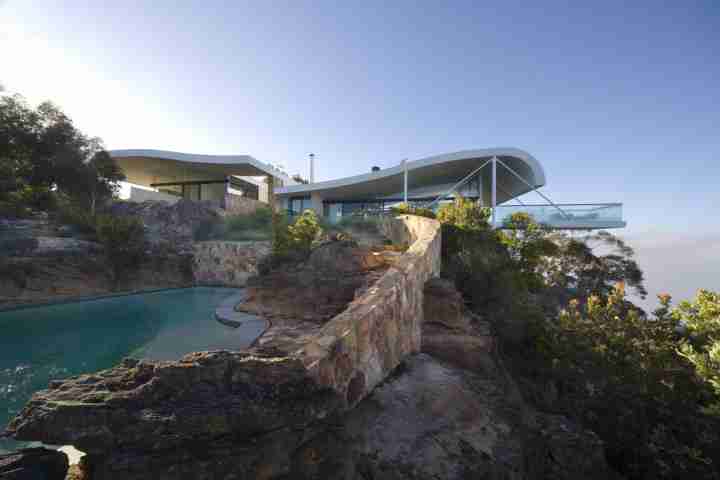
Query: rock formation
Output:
(34,464)
(451,412)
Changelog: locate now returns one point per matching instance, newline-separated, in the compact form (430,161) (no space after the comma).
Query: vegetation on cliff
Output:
(45,160)
(647,384)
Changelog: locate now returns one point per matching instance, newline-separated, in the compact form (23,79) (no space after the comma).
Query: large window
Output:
(298,205)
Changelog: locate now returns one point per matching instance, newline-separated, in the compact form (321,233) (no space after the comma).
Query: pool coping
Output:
(226,314)
(90,298)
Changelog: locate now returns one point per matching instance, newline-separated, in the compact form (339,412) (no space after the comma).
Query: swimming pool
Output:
(39,344)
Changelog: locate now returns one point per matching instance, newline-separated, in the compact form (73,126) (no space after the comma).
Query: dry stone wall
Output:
(227,264)
(359,347)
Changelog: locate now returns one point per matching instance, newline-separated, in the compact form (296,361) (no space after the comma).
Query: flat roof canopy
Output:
(155,166)
(443,169)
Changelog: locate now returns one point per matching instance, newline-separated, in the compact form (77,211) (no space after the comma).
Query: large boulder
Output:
(34,464)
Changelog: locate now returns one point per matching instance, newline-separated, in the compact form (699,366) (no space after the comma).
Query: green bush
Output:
(253,226)
(622,376)
(464,214)
(123,239)
(80,219)
(291,240)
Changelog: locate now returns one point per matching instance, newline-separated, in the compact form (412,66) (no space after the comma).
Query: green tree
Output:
(42,151)
(123,240)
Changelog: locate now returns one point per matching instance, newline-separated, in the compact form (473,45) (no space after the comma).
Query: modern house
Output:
(493,177)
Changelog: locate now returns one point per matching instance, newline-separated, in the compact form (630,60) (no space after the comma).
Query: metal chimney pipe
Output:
(312,168)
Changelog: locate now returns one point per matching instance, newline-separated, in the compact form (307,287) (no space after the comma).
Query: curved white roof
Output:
(241,165)
(442,169)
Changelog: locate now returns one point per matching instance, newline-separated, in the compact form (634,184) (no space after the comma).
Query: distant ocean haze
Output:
(676,263)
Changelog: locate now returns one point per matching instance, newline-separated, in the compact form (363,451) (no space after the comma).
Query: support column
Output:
(405,181)
(493,191)
(316,203)
(271,191)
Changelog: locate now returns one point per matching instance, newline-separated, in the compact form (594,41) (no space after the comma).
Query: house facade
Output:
(495,178)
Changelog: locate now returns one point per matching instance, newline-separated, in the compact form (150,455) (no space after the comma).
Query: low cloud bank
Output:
(676,263)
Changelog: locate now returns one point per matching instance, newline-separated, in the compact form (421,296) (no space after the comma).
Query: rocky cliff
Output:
(450,412)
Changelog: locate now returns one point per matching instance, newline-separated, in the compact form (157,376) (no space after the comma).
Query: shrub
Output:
(82,220)
(701,319)
(123,239)
(291,242)
(464,214)
(253,226)
(304,231)
(622,376)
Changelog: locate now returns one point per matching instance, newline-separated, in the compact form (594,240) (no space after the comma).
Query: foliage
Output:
(252,226)
(304,231)
(591,265)
(123,239)
(83,221)
(42,155)
(464,214)
(701,319)
(622,376)
(406,209)
(527,243)
(291,241)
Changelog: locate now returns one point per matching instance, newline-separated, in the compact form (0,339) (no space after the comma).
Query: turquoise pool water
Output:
(40,344)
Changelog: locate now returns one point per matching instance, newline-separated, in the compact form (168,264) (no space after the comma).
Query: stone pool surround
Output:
(144,409)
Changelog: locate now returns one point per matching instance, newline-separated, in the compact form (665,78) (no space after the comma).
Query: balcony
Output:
(577,216)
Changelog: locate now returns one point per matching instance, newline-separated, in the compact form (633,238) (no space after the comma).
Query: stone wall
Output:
(239,205)
(228,264)
(358,348)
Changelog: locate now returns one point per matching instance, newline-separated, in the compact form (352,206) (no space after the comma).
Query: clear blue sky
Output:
(620,101)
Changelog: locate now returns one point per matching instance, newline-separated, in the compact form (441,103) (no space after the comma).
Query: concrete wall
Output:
(142,195)
(227,264)
(358,348)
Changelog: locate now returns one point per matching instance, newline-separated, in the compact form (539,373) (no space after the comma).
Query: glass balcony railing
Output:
(567,216)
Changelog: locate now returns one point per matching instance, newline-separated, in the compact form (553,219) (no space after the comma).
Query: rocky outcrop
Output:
(208,403)
(172,225)
(228,264)
(348,399)
(34,464)
(43,261)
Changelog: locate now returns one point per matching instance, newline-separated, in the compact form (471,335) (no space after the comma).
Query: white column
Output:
(317,204)
(493,190)
(405,180)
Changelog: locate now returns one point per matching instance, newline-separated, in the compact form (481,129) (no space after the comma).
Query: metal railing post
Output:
(493,191)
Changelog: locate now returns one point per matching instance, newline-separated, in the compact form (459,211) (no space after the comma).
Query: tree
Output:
(123,239)
(300,179)
(42,151)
